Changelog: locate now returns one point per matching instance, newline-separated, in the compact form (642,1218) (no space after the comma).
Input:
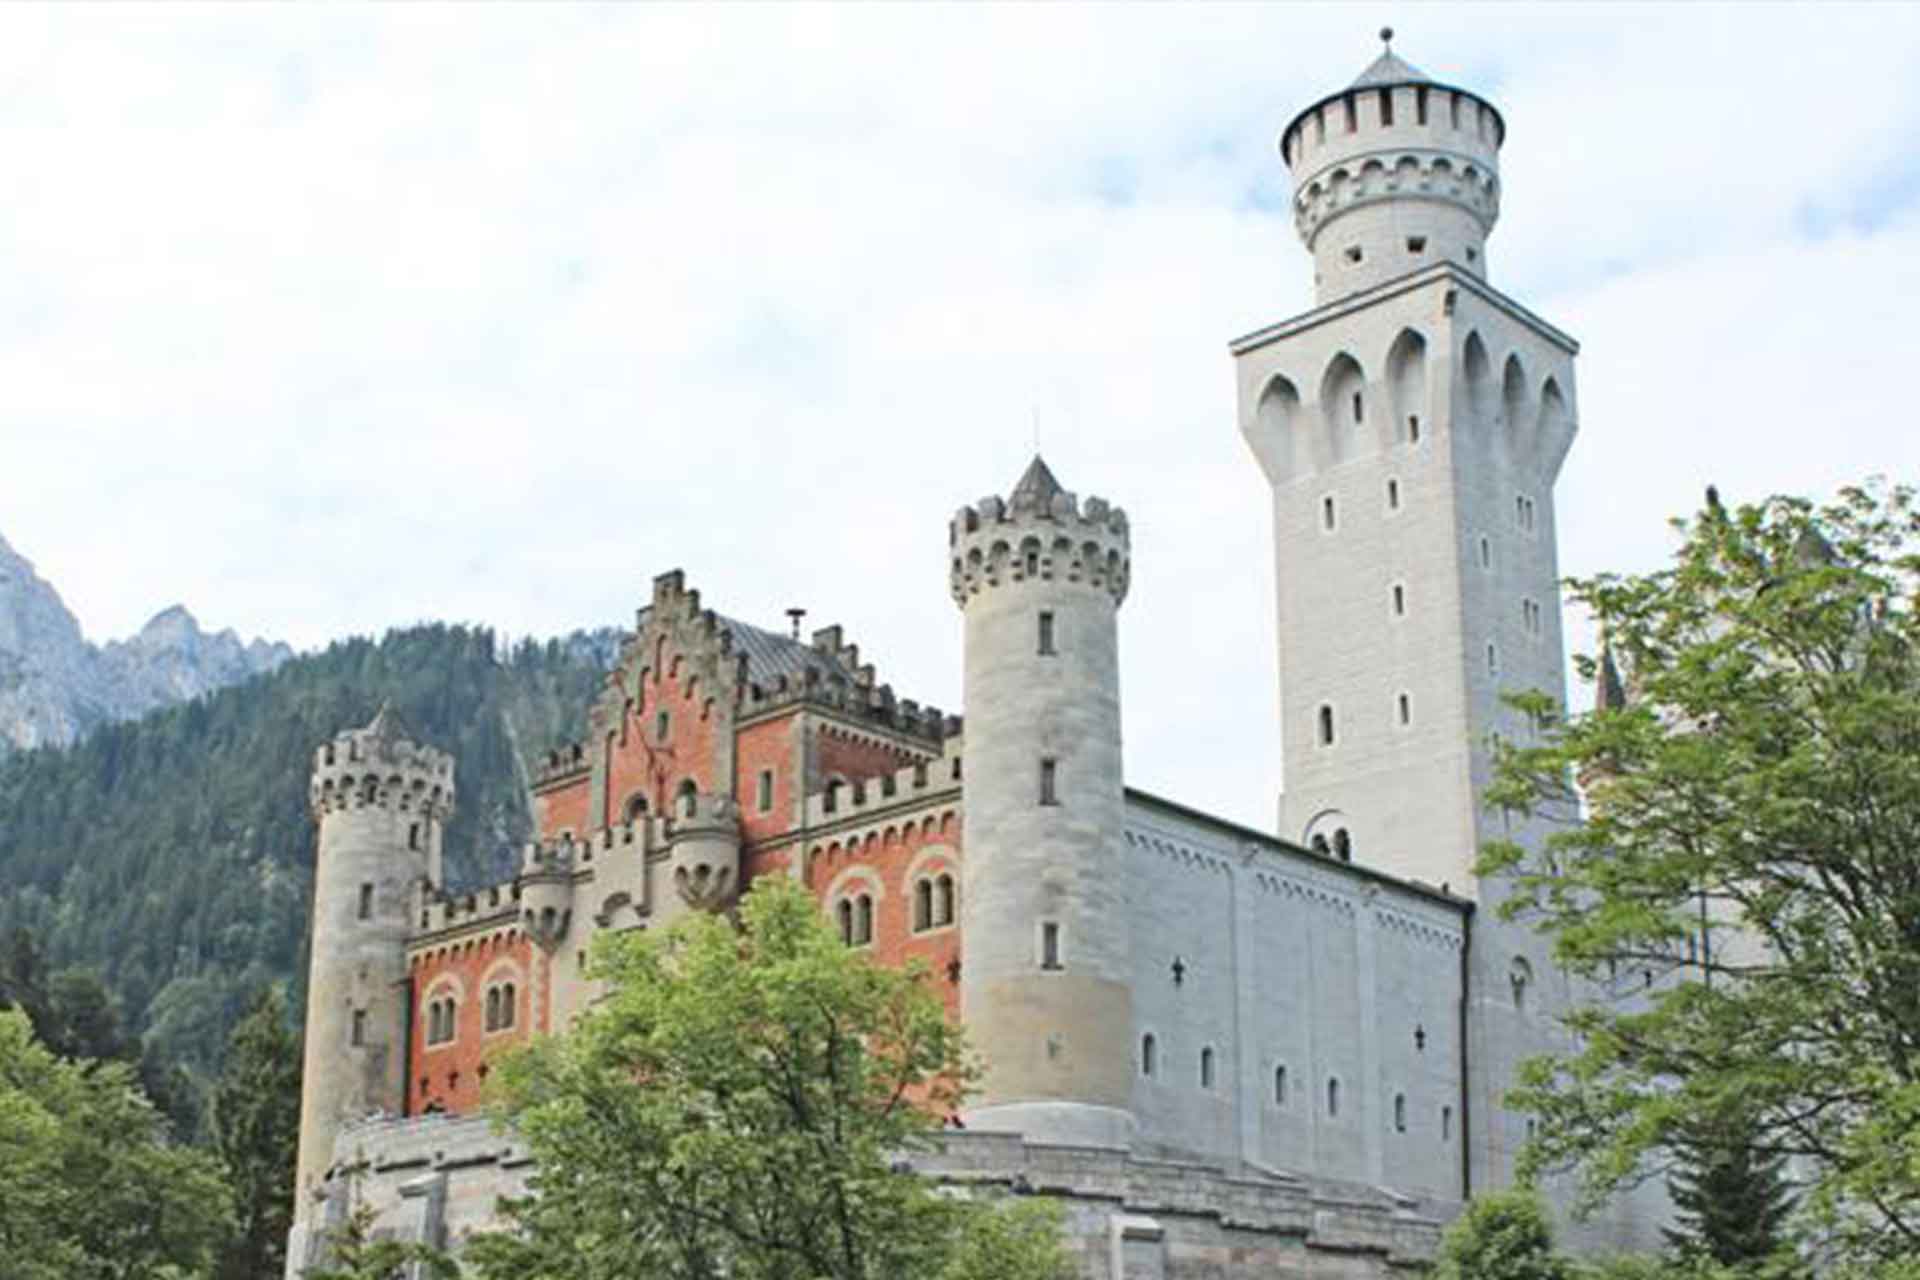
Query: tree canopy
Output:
(737,1105)
(91,1187)
(1744,897)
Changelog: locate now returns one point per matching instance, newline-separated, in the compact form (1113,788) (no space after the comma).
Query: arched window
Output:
(1320,845)
(1148,1052)
(1333,1095)
(845,912)
(689,798)
(1206,1067)
(922,905)
(493,1008)
(943,900)
(507,1003)
(1343,845)
(1399,1113)
(636,809)
(440,1020)
(863,919)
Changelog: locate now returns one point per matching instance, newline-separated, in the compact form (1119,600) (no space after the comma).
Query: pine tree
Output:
(256,1127)
(1732,1198)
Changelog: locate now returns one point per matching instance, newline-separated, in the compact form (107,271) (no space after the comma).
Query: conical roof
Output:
(1390,68)
(1612,692)
(387,724)
(1036,485)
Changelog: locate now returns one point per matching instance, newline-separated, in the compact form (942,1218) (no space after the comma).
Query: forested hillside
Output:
(173,854)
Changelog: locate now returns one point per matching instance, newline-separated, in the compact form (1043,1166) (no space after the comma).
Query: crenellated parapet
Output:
(380,766)
(1040,532)
(903,788)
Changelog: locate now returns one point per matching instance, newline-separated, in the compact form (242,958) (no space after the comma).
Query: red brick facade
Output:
(768,723)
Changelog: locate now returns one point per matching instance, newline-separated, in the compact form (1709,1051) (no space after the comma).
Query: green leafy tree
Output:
(90,1186)
(1732,1199)
(737,1106)
(1753,843)
(1503,1235)
(255,1124)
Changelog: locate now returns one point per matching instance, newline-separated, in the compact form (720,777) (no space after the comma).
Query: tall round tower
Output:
(381,802)
(1393,173)
(1045,984)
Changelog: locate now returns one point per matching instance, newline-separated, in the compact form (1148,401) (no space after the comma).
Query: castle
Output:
(1229,1052)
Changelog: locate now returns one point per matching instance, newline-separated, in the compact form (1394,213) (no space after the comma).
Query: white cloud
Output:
(325,319)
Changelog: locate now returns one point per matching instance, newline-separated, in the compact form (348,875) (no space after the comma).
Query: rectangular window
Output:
(1050,946)
(766,790)
(1420,104)
(1048,794)
(661,723)
(359,1027)
(413,836)
(366,902)
(1386,106)
(1413,428)
(1046,632)
(1326,513)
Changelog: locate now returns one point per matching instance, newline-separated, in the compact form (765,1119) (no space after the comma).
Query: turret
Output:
(1045,978)
(1393,173)
(704,843)
(381,802)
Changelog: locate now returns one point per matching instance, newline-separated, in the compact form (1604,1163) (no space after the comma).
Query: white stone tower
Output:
(1045,986)
(1411,426)
(381,803)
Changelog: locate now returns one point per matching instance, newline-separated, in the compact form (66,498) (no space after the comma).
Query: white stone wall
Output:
(1296,961)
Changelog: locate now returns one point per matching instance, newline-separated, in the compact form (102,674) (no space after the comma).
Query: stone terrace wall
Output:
(438,1178)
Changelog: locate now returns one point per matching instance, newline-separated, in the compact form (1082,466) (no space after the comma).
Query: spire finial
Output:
(1386,38)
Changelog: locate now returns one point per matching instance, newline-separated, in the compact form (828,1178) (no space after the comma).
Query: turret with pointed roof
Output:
(1392,174)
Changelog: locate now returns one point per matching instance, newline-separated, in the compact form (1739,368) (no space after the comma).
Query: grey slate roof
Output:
(771,655)
(1390,68)
(1036,482)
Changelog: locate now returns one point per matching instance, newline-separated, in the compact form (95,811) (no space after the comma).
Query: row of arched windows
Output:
(500,1006)
(935,906)
(440,1020)
(855,916)
(932,902)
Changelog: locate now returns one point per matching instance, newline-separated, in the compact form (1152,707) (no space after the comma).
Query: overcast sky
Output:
(323,319)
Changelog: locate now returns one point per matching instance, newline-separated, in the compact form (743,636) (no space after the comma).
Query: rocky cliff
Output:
(55,686)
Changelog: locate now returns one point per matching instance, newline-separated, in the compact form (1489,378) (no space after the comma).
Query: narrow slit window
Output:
(1446,1124)
(413,836)
(1326,726)
(1333,1096)
(1359,408)
(1049,793)
(359,1027)
(1206,1068)
(1399,1113)
(1404,708)
(1326,513)
(1493,659)
(366,902)
(1050,946)
(1393,495)
(1399,600)
(1280,1086)
(661,723)
(1413,428)
(1486,554)
(1148,1049)
(765,790)
(1046,632)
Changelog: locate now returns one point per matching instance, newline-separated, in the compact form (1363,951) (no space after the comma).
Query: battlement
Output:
(382,765)
(1040,531)
(841,802)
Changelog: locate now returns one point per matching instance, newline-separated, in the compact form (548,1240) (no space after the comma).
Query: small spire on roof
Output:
(1389,68)
(387,724)
(1036,485)
(1612,692)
